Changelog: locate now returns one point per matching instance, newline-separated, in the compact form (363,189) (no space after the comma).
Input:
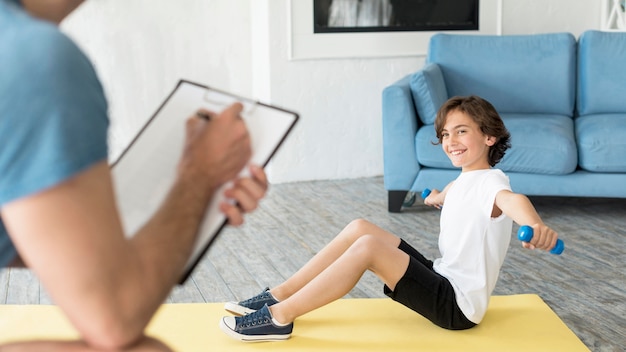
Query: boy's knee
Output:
(354,230)
(367,244)
(358,225)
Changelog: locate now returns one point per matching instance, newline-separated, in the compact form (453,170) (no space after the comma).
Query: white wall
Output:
(543,16)
(142,47)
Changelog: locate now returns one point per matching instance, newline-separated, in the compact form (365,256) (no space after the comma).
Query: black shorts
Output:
(428,293)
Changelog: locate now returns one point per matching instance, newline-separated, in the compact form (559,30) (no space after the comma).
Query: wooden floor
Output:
(586,286)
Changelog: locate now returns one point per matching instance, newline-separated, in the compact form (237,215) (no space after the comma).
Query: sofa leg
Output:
(396,198)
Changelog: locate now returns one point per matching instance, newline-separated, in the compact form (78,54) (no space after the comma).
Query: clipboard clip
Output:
(219,100)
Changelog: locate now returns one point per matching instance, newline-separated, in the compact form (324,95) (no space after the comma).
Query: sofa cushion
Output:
(542,144)
(429,92)
(428,154)
(539,144)
(601,142)
(601,73)
(532,74)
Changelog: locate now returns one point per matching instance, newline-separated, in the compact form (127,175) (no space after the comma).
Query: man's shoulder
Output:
(38,61)
(31,48)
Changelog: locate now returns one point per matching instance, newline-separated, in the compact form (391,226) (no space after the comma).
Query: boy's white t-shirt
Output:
(472,243)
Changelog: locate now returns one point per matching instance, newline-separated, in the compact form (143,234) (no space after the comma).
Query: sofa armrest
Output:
(400,124)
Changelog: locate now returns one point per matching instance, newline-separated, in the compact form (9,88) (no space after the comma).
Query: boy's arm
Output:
(436,198)
(519,208)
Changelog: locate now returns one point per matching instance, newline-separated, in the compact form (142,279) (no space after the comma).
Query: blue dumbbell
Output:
(525,234)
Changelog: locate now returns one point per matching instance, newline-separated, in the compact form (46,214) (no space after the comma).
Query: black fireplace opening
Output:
(338,16)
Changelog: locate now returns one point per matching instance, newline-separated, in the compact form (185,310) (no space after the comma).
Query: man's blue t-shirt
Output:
(53,111)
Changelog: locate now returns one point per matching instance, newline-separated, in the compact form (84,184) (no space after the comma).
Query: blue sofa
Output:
(563,101)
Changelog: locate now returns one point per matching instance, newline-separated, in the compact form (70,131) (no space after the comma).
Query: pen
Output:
(203,115)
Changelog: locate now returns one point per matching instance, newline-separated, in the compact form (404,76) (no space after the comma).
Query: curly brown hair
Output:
(487,118)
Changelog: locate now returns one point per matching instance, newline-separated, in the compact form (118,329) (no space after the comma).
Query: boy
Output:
(453,291)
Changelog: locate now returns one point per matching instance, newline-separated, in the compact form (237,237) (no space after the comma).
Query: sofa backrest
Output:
(601,73)
(533,74)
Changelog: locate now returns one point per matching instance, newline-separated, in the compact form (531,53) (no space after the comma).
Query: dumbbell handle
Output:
(525,234)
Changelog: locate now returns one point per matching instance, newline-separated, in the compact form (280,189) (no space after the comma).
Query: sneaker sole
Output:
(237,309)
(251,338)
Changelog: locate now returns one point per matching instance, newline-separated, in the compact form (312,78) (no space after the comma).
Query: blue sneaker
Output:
(251,305)
(255,327)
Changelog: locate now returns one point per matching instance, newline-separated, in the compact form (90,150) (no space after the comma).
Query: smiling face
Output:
(464,143)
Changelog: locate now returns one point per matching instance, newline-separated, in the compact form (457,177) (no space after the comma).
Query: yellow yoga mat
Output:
(513,323)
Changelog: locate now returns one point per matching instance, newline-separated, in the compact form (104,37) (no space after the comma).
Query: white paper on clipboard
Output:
(145,171)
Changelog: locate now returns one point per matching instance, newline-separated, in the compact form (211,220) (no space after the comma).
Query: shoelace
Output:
(253,319)
(260,297)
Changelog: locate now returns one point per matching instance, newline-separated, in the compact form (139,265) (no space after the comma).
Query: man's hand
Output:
(244,195)
(216,150)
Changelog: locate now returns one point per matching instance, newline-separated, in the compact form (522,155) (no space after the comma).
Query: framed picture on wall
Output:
(345,16)
(322,29)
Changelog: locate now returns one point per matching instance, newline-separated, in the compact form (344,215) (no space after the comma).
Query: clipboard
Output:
(146,169)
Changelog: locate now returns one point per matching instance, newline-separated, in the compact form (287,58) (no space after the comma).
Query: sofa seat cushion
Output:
(601,142)
(428,154)
(542,144)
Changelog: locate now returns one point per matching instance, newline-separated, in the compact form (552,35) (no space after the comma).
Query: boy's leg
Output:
(428,293)
(375,252)
(330,253)
(414,253)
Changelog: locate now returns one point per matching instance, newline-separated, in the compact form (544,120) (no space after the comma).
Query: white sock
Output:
(277,323)
(273,296)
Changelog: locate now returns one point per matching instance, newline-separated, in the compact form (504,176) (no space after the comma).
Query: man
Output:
(57,208)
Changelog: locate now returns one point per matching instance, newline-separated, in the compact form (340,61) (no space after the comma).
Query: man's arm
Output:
(72,238)
(110,286)
(519,208)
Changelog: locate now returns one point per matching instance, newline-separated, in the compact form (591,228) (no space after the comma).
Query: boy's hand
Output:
(543,238)
(434,199)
